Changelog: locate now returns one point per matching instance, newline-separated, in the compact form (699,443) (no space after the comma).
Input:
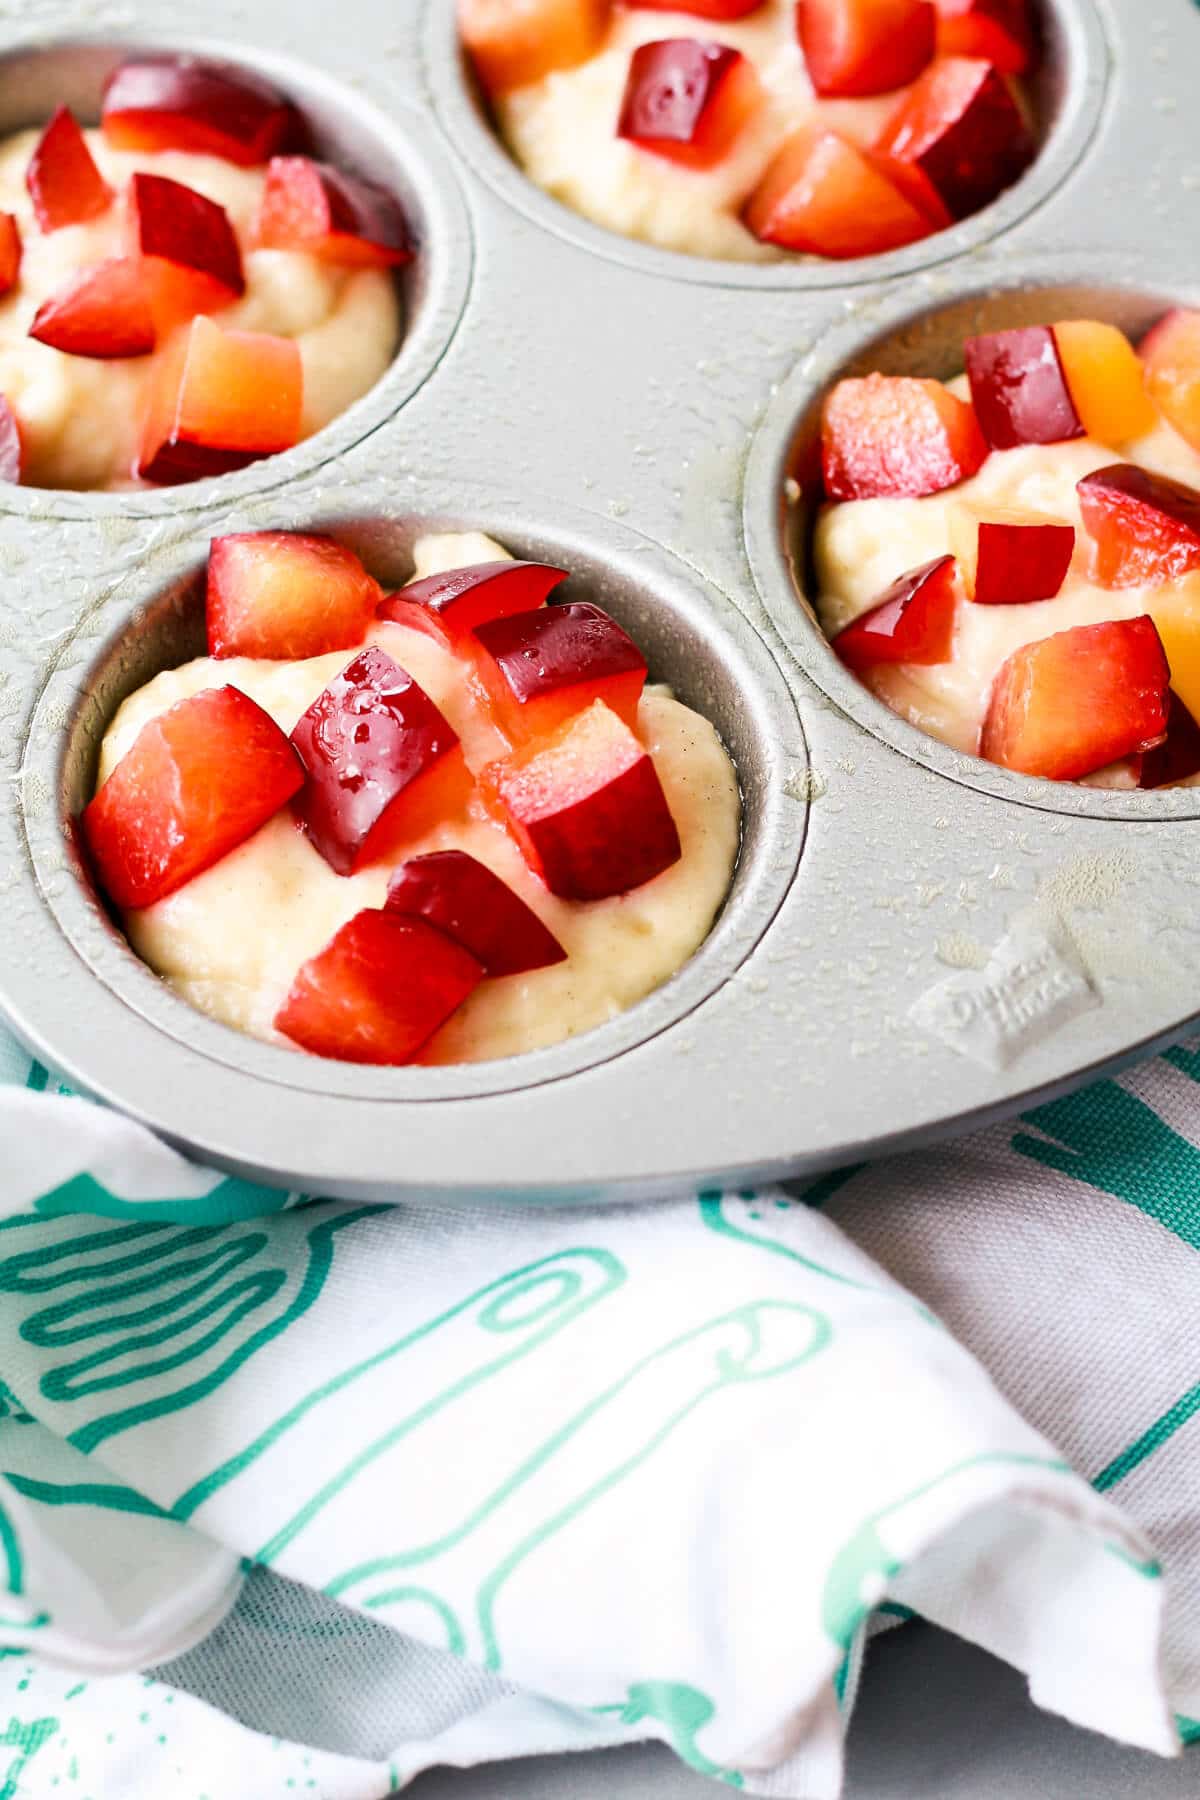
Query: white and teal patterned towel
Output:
(300,1502)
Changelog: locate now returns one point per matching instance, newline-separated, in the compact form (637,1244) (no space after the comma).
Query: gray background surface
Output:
(937,1720)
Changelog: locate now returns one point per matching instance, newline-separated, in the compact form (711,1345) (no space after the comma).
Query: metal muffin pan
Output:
(913,941)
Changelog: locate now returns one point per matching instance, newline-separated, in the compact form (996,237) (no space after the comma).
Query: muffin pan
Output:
(913,941)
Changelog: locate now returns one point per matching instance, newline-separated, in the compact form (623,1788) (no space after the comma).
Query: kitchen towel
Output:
(300,1498)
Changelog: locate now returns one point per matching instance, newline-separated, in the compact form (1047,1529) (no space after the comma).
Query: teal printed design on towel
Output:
(183,1291)
(109,1498)
(684,1711)
(505,1308)
(10,1549)
(1188,1729)
(454,1637)
(1107,1137)
(1151,1440)
(37,1077)
(26,1740)
(820,1192)
(862,1570)
(224,1204)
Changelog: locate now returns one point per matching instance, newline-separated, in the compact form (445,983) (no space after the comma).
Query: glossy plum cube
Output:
(1009,558)
(513,43)
(337,218)
(1177,758)
(855,47)
(688,100)
(10,252)
(913,622)
(1001,31)
(285,595)
(219,400)
(188,249)
(383,766)
(541,668)
(177,103)
(1171,357)
(1145,527)
(1075,702)
(823,195)
(378,990)
(896,435)
(1104,378)
(587,810)
(961,127)
(196,782)
(450,606)
(102,312)
(463,898)
(64,183)
(1019,389)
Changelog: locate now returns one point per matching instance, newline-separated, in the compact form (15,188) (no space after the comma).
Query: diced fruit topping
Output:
(999,30)
(1104,377)
(701,9)
(961,127)
(823,195)
(1171,355)
(1073,703)
(281,595)
(515,42)
(466,901)
(1146,527)
(102,312)
(1177,758)
(688,100)
(896,434)
(174,103)
(219,400)
(10,443)
(1010,558)
(540,668)
(1019,388)
(865,46)
(312,207)
(383,765)
(196,782)
(587,809)
(913,622)
(378,990)
(10,252)
(188,249)
(64,183)
(450,605)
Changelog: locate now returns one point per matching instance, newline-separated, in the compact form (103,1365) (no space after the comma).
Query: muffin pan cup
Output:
(913,941)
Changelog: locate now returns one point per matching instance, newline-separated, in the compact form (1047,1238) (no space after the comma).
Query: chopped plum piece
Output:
(175,103)
(283,596)
(913,622)
(468,902)
(451,605)
(10,443)
(896,434)
(196,782)
(1146,527)
(1104,378)
(513,43)
(378,990)
(1073,703)
(383,765)
(310,206)
(1010,558)
(960,125)
(188,249)
(1018,388)
(1001,31)
(865,46)
(64,183)
(219,400)
(1171,357)
(540,668)
(587,809)
(688,100)
(102,312)
(702,9)
(823,195)
(1177,758)
(10,252)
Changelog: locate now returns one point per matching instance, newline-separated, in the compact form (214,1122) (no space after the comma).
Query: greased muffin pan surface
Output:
(912,941)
